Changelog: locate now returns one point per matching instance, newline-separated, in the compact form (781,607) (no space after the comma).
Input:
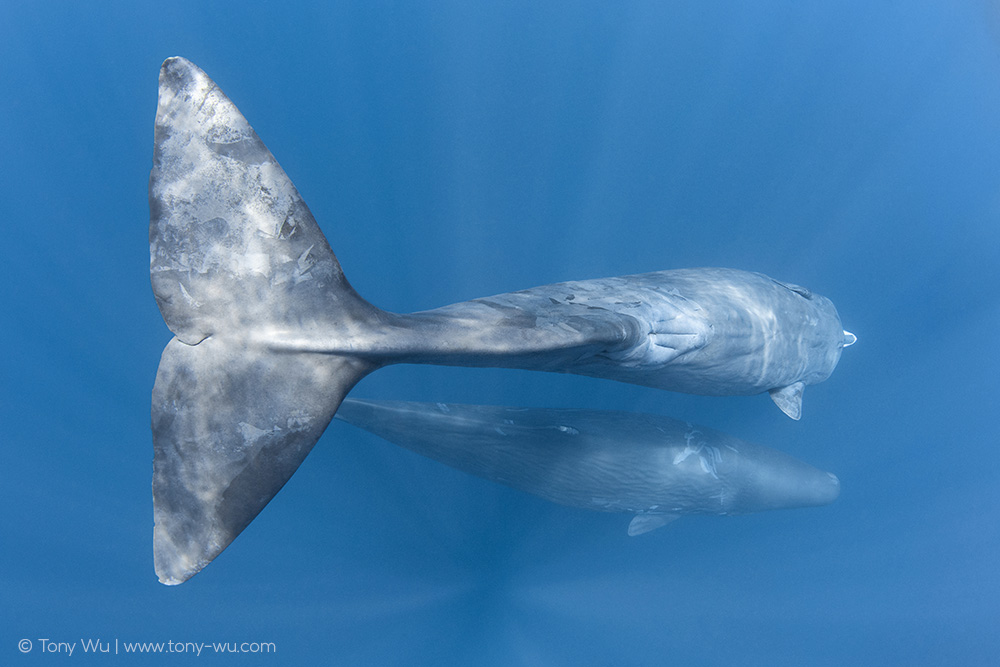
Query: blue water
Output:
(455,149)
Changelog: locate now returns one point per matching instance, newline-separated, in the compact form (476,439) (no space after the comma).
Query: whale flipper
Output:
(643,523)
(789,399)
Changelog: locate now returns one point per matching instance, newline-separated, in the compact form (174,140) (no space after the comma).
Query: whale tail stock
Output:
(236,259)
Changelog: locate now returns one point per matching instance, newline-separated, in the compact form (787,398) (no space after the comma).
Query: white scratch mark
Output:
(187,297)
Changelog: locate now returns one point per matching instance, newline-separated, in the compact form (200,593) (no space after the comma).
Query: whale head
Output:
(769,479)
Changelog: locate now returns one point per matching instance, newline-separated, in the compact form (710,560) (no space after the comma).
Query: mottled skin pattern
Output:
(270,336)
(607,461)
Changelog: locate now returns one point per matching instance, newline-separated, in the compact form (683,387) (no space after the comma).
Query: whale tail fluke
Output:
(233,247)
(236,261)
(230,426)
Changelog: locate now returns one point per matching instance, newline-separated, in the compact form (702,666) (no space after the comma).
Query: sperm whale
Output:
(269,336)
(655,468)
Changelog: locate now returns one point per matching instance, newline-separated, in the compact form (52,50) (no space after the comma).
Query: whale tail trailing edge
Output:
(235,257)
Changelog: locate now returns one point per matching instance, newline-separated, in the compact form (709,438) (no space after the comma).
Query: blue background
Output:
(454,149)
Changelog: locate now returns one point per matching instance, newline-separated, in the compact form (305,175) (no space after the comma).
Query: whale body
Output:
(651,466)
(269,336)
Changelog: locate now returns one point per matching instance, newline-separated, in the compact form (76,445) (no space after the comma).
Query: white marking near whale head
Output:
(709,457)
(686,452)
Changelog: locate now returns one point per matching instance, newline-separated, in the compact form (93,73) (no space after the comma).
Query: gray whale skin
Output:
(270,337)
(654,467)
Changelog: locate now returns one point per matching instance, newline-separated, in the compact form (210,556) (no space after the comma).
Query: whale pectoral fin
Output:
(643,523)
(789,399)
